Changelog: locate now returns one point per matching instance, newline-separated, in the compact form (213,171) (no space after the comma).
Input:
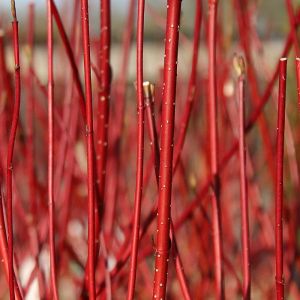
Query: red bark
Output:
(166,153)
(280,180)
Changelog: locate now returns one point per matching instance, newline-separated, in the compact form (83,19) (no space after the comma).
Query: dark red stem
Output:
(214,157)
(243,184)
(279,180)
(140,151)
(90,147)
(51,203)
(10,150)
(103,96)
(166,154)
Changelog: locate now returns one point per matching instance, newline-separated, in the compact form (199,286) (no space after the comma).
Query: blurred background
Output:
(271,19)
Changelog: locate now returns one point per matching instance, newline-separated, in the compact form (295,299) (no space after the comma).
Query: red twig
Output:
(243,25)
(29,115)
(51,203)
(121,84)
(148,94)
(140,150)
(104,95)
(103,108)
(166,154)
(243,181)
(184,122)
(10,149)
(279,180)
(90,148)
(70,57)
(213,136)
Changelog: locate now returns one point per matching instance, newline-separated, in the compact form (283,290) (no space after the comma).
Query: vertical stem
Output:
(243,182)
(120,91)
(213,137)
(30,153)
(10,149)
(29,115)
(140,150)
(153,136)
(51,203)
(184,122)
(244,25)
(105,78)
(166,155)
(90,148)
(148,95)
(279,180)
(103,108)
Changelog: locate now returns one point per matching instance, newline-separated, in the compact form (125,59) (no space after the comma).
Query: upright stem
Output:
(148,96)
(184,122)
(29,116)
(117,129)
(103,112)
(243,182)
(103,96)
(279,180)
(166,155)
(244,25)
(214,156)
(10,149)
(90,147)
(140,150)
(51,152)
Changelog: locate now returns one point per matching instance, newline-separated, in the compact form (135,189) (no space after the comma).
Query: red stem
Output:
(29,115)
(90,148)
(70,57)
(213,136)
(243,185)
(243,24)
(51,202)
(140,150)
(184,122)
(166,154)
(104,95)
(279,180)
(103,108)
(10,150)
(148,95)
(120,91)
